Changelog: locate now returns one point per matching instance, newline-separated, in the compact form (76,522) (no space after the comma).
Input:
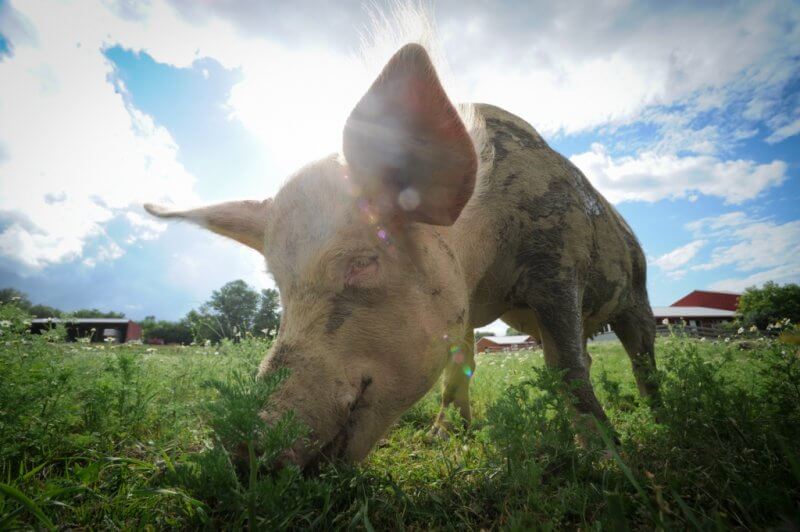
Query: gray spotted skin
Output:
(545,251)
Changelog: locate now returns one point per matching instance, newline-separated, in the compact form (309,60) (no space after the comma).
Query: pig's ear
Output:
(405,143)
(243,221)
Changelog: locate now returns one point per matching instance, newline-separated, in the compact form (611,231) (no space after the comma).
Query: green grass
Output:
(130,437)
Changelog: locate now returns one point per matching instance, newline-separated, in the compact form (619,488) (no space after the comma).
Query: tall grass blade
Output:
(14,493)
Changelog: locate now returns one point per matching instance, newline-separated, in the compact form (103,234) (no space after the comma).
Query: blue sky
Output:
(686,116)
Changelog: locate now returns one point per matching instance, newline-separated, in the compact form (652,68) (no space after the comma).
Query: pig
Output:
(433,220)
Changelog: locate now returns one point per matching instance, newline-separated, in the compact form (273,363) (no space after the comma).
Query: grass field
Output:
(135,437)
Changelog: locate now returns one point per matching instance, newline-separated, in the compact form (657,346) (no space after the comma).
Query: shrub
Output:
(769,304)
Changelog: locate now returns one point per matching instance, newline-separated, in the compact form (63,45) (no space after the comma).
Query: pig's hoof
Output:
(439,431)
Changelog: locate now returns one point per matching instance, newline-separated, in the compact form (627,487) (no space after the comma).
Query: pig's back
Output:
(552,225)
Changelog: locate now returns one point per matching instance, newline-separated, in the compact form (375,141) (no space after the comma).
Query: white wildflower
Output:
(5,323)
(753,329)
(727,339)
(665,321)
(740,331)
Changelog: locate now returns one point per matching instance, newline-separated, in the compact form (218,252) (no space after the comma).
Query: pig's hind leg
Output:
(636,329)
(561,326)
(560,330)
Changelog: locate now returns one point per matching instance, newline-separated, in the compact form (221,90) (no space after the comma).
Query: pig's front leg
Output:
(455,384)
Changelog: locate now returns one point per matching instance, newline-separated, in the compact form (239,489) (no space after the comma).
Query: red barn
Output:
(709,299)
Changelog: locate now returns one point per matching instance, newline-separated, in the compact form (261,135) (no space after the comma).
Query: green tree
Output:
(268,318)
(172,332)
(44,311)
(481,334)
(202,326)
(511,331)
(768,304)
(15,297)
(147,323)
(230,313)
(95,313)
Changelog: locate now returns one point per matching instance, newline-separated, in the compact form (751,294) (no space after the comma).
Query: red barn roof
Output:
(708,299)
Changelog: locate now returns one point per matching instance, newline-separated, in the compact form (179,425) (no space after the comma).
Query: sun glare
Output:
(296,101)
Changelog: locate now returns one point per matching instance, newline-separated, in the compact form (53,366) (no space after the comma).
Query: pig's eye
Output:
(361,269)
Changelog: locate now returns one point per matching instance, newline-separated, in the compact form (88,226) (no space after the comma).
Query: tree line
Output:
(21,300)
(237,310)
(233,311)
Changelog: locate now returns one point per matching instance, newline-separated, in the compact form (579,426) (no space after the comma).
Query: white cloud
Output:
(105,253)
(144,228)
(294,99)
(563,67)
(68,132)
(576,95)
(194,268)
(671,261)
(77,154)
(651,176)
(677,132)
(757,245)
(719,224)
(763,249)
(789,273)
(35,249)
(572,66)
(569,66)
(785,131)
